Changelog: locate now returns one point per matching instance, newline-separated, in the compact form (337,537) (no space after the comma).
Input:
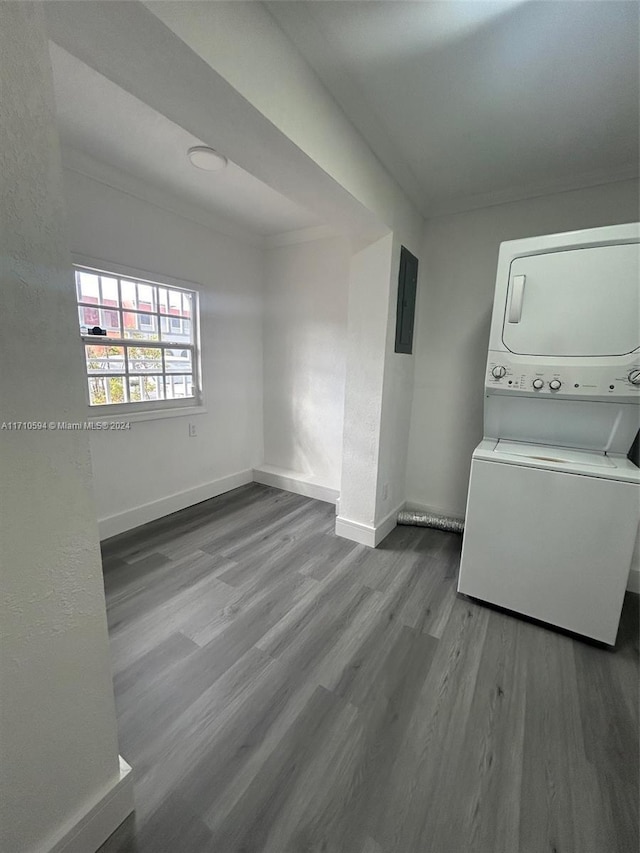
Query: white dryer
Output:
(554,502)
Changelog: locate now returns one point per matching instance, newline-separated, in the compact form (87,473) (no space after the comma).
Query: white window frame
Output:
(147,409)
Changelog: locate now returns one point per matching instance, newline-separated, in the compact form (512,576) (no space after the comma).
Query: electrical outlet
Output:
(192,430)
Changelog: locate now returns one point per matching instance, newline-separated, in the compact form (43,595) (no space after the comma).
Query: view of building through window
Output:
(149,350)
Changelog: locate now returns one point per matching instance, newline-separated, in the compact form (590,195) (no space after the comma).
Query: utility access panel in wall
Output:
(407,286)
(580,302)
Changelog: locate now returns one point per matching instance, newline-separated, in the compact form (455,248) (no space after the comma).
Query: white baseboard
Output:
(91,829)
(364,534)
(291,482)
(367,534)
(389,522)
(112,525)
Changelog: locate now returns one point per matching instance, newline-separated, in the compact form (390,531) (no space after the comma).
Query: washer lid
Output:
(588,463)
(562,455)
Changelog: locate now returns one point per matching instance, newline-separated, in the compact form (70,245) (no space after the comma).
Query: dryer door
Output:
(581,302)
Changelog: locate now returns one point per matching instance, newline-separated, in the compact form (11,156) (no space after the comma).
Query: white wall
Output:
(459,260)
(283,126)
(157,459)
(58,744)
(397,397)
(369,296)
(305,329)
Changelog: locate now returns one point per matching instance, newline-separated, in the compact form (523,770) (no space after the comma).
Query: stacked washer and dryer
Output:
(554,499)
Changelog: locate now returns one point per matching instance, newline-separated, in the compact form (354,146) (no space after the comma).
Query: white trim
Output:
(367,534)
(103,265)
(356,531)
(112,525)
(150,415)
(389,522)
(89,832)
(466,204)
(292,482)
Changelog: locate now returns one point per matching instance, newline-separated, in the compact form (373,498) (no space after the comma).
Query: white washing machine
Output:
(554,502)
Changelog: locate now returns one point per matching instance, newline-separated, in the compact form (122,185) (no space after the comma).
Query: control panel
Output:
(505,374)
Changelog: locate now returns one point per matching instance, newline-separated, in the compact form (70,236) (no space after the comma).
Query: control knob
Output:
(634,377)
(537,384)
(555,384)
(499,371)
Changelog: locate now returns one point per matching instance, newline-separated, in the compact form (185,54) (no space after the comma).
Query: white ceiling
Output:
(98,118)
(469,102)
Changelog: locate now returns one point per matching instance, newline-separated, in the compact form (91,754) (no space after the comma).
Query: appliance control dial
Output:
(499,371)
(555,384)
(537,384)
(634,377)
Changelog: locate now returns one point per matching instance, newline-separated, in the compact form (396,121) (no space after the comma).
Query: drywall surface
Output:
(367,338)
(459,259)
(58,741)
(156,459)
(397,396)
(305,338)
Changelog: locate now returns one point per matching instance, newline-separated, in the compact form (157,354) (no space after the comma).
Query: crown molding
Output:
(449,207)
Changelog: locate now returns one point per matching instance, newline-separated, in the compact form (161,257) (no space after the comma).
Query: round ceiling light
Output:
(206,158)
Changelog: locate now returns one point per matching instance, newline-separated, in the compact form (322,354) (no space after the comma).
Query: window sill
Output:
(149,415)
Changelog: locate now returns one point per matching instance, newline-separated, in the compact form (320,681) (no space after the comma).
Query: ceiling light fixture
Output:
(206,158)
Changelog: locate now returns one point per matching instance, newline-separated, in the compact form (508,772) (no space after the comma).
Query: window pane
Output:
(186,305)
(178,361)
(106,390)
(110,320)
(140,326)
(145,388)
(128,290)
(175,301)
(163,303)
(178,387)
(135,388)
(104,359)
(144,359)
(90,317)
(87,287)
(175,329)
(146,297)
(109,291)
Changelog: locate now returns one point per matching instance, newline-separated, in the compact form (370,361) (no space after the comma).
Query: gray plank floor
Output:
(280,690)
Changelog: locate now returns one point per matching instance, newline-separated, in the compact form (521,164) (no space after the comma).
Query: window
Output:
(148,358)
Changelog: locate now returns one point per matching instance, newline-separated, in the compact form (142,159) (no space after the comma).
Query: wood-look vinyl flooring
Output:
(281,690)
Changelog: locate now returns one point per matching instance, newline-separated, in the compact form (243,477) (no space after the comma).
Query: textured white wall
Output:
(369,296)
(305,330)
(459,259)
(156,459)
(397,396)
(58,747)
